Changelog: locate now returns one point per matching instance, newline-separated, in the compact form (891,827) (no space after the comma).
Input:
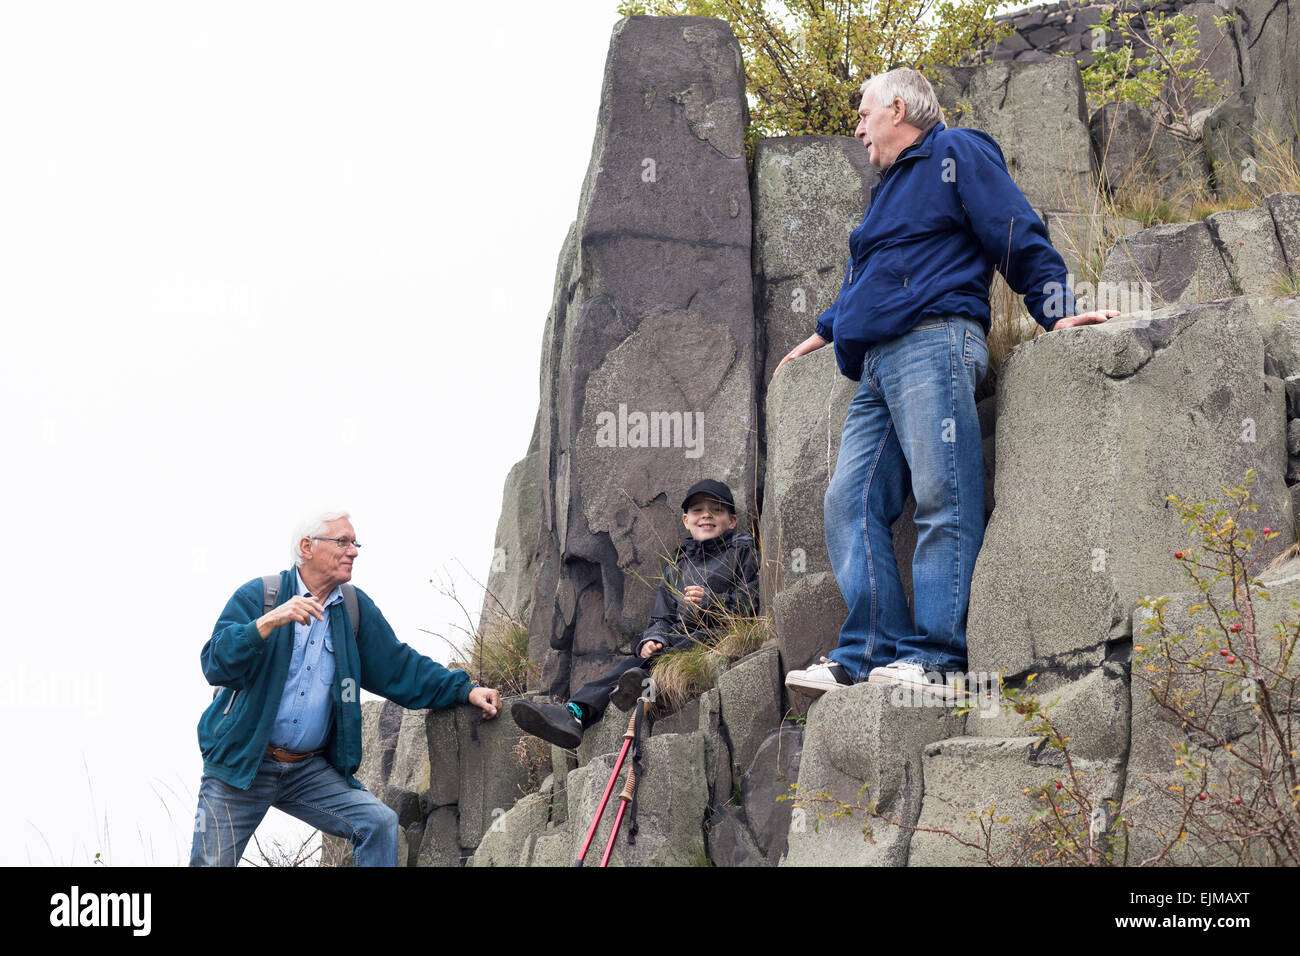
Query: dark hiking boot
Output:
(630,687)
(554,723)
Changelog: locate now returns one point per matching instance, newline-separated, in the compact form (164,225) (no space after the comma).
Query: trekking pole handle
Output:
(629,788)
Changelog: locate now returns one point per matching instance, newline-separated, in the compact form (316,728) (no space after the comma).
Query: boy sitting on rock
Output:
(712,578)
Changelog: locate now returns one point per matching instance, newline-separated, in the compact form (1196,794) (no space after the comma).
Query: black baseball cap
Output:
(714,489)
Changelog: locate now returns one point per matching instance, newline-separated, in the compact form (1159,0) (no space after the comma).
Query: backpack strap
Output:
(270,591)
(353,607)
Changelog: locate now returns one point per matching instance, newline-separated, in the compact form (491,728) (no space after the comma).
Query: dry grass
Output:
(498,658)
(683,674)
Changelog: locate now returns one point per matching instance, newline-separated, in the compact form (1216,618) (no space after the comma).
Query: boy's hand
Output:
(650,647)
(694,594)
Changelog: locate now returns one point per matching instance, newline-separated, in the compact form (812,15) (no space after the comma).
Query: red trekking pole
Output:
(629,793)
(609,787)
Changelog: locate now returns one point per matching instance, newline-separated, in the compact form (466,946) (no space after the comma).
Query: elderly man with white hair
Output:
(289,655)
(910,325)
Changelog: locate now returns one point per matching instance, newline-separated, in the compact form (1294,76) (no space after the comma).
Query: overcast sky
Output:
(254,257)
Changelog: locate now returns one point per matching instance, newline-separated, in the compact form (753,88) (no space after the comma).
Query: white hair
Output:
(906,84)
(312,526)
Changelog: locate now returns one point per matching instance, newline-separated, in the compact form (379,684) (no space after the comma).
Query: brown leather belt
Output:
(288,756)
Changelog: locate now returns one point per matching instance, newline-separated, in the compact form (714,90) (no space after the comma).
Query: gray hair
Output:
(906,84)
(311,527)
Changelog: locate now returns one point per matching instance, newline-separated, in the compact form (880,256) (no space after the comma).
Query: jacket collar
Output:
(918,150)
(722,542)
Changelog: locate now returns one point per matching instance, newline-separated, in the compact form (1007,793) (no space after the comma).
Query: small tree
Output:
(1157,63)
(804,62)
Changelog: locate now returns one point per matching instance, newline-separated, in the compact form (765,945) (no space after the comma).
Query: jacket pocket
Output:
(230,703)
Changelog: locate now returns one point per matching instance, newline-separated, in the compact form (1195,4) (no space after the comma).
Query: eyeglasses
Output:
(343,543)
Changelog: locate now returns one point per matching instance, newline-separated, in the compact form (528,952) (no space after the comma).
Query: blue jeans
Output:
(911,424)
(311,790)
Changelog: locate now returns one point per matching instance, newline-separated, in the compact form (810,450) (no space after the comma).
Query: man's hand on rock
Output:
(1085,318)
(486,699)
(650,647)
(810,344)
(298,610)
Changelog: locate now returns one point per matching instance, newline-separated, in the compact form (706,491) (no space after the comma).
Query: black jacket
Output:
(726,567)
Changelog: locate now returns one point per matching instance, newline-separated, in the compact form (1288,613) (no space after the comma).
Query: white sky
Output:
(254,256)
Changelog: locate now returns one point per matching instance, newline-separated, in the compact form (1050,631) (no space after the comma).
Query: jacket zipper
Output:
(230,703)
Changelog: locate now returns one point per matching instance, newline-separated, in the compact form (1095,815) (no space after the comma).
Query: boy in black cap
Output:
(712,578)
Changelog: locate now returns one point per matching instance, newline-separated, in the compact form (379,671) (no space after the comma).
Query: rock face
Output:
(1088,432)
(1036,113)
(1132,151)
(658,260)
(806,405)
(1175,404)
(863,749)
(1234,252)
(810,192)
(1267,34)
(695,761)
(1166,265)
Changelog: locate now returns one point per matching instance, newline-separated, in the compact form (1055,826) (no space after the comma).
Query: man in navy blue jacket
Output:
(910,324)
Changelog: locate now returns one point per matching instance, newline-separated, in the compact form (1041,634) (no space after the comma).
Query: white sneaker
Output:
(825,675)
(913,675)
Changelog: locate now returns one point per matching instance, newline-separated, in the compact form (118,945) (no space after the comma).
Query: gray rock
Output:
(809,193)
(862,746)
(444,758)
(606,735)
(1175,404)
(1088,705)
(1164,265)
(509,840)
(660,255)
(1134,152)
(1217,53)
(750,697)
(1036,113)
(1250,248)
(770,777)
(1228,133)
(988,778)
(439,844)
(551,850)
(729,841)
(806,405)
(672,799)
(381,721)
(492,778)
(684,720)
(407,791)
(1285,210)
(1266,38)
(717,754)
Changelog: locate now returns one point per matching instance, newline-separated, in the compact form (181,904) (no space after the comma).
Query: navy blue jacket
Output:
(942,217)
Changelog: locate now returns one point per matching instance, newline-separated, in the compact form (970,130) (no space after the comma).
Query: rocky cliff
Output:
(683,280)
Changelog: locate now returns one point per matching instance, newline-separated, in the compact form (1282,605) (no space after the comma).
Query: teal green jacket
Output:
(236,728)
